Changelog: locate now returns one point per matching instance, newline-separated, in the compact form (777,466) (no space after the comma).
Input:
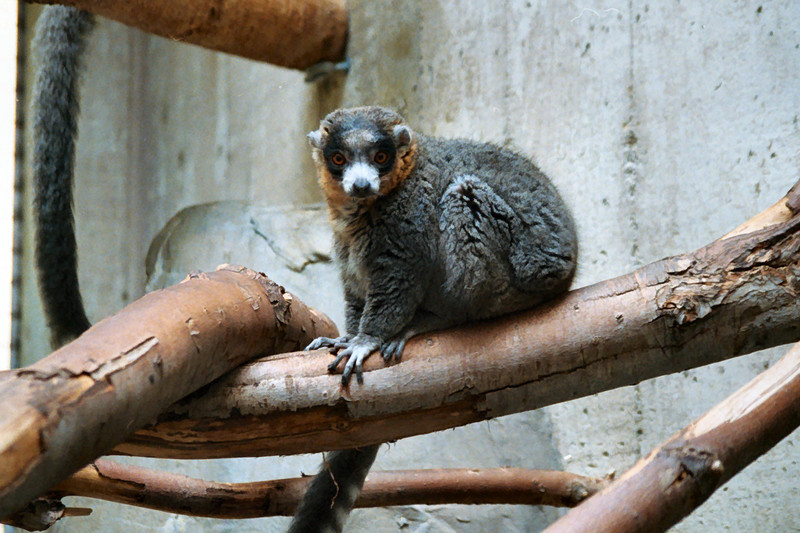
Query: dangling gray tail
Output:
(332,493)
(61,36)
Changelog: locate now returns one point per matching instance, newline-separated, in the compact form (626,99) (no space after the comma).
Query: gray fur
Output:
(340,481)
(60,42)
(473,231)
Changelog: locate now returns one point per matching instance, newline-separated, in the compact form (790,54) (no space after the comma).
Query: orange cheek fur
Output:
(339,203)
(403,169)
(332,189)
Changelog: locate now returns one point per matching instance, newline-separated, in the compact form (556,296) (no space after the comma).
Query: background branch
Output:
(289,33)
(76,404)
(108,480)
(732,297)
(682,473)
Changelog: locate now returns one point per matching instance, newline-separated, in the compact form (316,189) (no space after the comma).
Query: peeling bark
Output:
(732,297)
(289,33)
(682,473)
(76,404)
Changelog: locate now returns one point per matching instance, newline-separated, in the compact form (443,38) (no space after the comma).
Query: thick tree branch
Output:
(76,404)
(289,33)
(108,480)
(732,297)
(682,473)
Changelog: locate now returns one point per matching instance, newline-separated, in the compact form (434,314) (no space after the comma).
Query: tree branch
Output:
(728,298)
(76,404)
(173,493)
(682,473)
(289,33)
(732,297)
(42,513)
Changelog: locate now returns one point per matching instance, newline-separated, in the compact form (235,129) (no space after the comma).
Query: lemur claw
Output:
(356,350)
(335,363)
(393,348)
(327,342)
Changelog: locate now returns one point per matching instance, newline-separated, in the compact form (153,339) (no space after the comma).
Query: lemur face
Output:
(359,149)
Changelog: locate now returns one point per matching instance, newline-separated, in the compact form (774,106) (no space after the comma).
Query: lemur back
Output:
(474,241)
(428,233)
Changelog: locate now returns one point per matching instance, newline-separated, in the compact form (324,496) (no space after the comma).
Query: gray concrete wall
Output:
(663,124)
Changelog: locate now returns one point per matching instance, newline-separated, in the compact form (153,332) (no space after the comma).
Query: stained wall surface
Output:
(664,124)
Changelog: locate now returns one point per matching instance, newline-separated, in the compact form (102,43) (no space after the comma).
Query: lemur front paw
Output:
(356,350)
(328,342)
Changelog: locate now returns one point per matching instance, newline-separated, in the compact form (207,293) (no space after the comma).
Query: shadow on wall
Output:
(291,245)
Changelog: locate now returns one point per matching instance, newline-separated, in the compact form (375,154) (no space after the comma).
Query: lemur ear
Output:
(402,136)
(316,137)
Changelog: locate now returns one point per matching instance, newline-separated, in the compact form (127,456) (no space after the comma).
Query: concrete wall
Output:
(664,125)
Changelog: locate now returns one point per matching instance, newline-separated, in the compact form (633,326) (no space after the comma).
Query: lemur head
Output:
(362,153)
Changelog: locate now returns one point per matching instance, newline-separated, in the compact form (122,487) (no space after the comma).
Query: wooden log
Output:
(289,33)
(682,473)
(76,404)
(734,296)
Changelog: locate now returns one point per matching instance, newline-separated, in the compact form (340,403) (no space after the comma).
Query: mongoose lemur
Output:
(428,233)
(61,35)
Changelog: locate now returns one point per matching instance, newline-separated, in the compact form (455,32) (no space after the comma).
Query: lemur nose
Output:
(361,187)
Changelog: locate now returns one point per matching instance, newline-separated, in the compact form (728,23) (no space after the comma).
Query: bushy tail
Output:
(61,36)
(332,493)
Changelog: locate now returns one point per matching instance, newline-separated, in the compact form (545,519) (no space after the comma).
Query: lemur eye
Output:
(381,157)
(338,159)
